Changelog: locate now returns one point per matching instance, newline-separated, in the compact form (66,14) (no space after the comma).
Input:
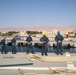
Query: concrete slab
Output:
(35,57)
(37,67)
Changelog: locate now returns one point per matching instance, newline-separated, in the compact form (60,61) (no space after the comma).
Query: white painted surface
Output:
(69,64)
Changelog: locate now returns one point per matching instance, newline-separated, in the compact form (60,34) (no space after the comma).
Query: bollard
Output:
(9,44)
(36,45)
(54,46)
(39,45)
(68,46)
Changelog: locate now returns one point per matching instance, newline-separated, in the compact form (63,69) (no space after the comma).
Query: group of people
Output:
(59,38)
(3,44)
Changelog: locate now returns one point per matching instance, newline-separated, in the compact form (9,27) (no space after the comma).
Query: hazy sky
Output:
(22,13)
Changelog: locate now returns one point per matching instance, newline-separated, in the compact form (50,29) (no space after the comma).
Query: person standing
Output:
(13,42)
(3,43)
(29,44)
(44,41)
(59,38)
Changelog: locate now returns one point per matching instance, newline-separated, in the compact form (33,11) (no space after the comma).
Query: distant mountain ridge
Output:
(36,28)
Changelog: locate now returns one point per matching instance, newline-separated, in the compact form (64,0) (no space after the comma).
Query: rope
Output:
(42,62)
(20,71)
(66,71)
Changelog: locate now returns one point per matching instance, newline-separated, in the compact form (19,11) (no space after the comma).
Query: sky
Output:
(28,13)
